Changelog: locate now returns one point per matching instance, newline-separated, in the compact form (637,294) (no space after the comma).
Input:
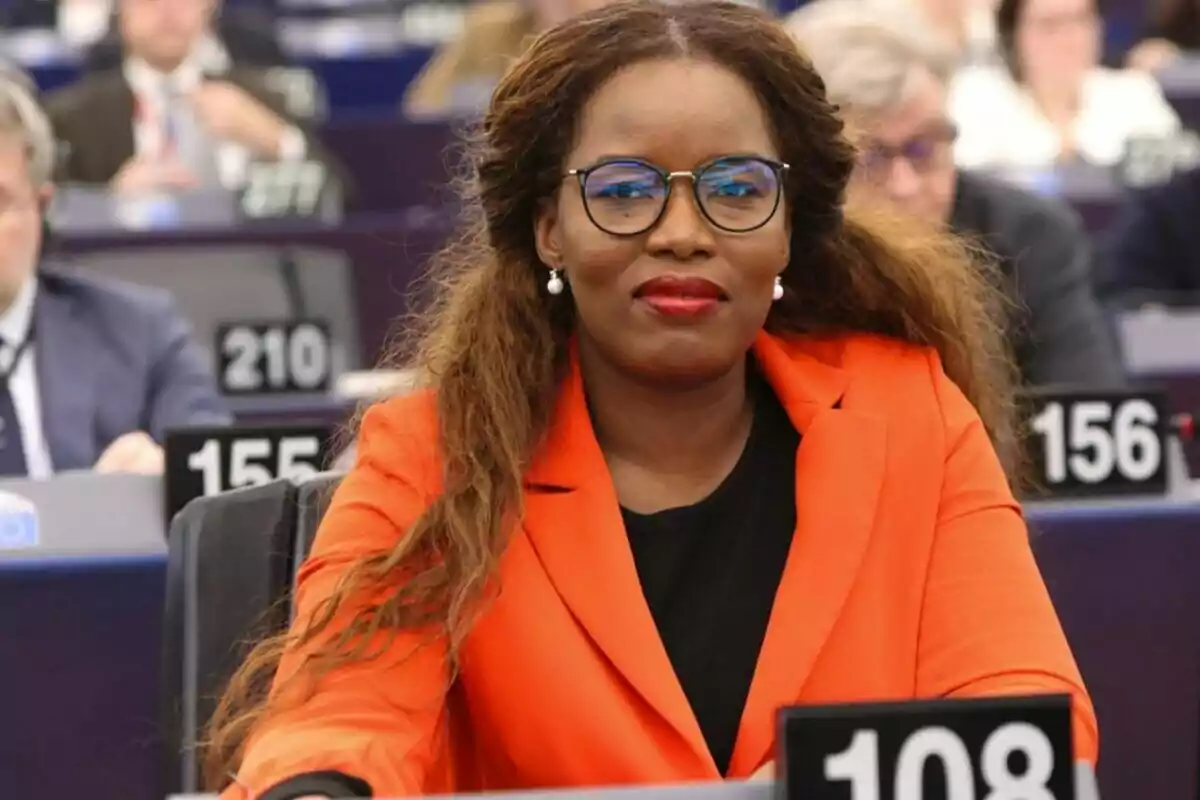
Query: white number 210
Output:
(859,764)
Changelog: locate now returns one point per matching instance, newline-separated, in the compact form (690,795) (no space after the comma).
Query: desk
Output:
(79,656)
(1123,578)
(322,409)
(79,672)
(387,251)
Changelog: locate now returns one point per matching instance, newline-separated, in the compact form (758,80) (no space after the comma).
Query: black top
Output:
(710,572)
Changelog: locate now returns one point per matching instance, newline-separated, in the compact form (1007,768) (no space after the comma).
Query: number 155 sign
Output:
(202,462)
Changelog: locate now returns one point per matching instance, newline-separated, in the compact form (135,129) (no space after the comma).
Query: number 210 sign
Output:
(1015,748)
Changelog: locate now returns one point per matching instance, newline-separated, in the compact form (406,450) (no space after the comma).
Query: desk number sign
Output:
(201,462)
(1098,444)
(284,189)
(1015,748)
(274,357)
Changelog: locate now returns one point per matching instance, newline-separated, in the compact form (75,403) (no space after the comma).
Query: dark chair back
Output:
(229,565)
(230,573)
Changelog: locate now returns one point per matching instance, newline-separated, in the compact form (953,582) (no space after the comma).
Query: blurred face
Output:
(681,301)
(20,217)
(1057,41)
(949,17)
(163,32)
(907,156)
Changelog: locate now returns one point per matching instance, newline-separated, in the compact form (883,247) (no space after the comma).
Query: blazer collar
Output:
(572,519)
(806,376)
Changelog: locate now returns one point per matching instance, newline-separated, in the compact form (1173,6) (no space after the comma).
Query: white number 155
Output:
(293,462)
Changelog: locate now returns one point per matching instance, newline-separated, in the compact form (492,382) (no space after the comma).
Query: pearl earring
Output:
(555,284)
(777,292)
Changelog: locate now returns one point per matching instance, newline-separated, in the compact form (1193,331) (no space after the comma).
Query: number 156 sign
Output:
(1093,444)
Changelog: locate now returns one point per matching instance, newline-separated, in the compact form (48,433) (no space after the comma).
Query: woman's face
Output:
(1057,41)
(682,301)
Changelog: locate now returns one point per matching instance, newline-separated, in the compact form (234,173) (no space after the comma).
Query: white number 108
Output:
(859,764)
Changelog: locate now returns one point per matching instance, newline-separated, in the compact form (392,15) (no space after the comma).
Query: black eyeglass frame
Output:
(778,167)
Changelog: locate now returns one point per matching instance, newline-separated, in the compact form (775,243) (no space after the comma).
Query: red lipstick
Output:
(680,296)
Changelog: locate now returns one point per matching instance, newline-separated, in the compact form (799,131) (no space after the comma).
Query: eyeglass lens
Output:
(924,153)
(627,197)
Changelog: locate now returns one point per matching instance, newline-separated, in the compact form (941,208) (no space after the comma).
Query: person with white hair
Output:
(92,373)
(969,26)
(890,75)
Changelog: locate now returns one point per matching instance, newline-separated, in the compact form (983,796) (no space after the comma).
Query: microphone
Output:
(1183,425)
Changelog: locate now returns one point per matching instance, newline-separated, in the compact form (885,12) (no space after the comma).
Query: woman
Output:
(1052,103)
(1174,30)
(683,457)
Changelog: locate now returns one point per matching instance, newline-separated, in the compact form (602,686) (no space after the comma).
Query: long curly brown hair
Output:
(492,344)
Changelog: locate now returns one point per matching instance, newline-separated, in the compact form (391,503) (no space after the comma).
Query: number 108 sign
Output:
(1015,748)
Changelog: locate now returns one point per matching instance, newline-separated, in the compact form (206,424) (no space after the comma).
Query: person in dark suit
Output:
(176,115)
(1152,252)
(246,37)
(92,373)
(890,77)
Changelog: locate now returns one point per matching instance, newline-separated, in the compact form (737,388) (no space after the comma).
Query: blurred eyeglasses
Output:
(627,196)
(924,153)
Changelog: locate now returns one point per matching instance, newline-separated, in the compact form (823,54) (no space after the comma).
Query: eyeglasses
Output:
(628,196)
(924,153)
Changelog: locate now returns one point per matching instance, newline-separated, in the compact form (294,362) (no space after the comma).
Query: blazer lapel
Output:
(573,520)
(839,473)
(65,381)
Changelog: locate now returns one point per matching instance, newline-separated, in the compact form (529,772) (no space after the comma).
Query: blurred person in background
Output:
(242,37)
(92,373)
(176,115)
(460,77)
(889,77)
(968,26)
(1174,31)
(1052,103)
(725,447)
(1152,251)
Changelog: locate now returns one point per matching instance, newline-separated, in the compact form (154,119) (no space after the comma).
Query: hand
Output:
(140,175)
(1152,55)
(228,112)
(133,452)
(764,773)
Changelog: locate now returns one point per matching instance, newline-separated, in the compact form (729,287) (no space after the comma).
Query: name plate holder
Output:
(1099,444)
(1004,748)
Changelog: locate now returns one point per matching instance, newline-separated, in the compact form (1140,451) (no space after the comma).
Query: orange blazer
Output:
(910,575)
